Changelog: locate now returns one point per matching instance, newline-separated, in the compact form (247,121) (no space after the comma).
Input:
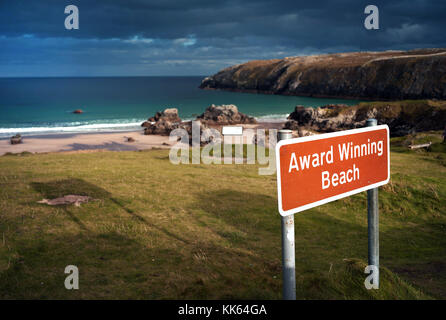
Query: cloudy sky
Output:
(199,37)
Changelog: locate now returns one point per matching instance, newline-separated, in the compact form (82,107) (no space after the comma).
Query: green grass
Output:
(163,231)
(401,144)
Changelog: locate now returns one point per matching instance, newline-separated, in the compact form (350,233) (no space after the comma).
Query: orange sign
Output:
(318,169)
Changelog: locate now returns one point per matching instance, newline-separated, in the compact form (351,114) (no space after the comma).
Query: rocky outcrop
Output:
(170,114)
(205,137)
(162,127)
(225,114)
(162,123)
(16,139)
(397,75)
(402,117)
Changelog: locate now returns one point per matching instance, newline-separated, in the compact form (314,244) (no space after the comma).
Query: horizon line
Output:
(127,76)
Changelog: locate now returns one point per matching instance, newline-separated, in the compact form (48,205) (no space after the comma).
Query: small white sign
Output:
(232,131)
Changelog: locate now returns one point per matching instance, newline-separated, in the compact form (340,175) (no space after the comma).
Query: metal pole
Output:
(288,248)
(373,220)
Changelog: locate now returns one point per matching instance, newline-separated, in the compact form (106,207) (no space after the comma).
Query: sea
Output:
(40,106)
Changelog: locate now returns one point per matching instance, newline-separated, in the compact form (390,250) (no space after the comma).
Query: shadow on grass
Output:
(110,266)
(111,146)
(114,265)
(75,186)
(236,207)
(322,237)
(237,216)
(60,188)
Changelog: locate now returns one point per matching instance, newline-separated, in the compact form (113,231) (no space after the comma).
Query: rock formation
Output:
(397,75)
(162,123)
(170,114)
(205,132)
(225,114)
(16,139)
(402,117)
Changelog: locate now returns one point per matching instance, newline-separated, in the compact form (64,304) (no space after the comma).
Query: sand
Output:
(116,141)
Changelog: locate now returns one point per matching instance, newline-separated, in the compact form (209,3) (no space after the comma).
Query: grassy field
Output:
(163,231)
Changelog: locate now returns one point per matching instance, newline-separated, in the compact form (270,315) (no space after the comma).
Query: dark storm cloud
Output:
(180,37)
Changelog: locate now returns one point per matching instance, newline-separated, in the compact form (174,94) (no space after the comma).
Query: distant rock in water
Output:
(402,117)
(162,123)
(225,114)
(78,111)
(397,75)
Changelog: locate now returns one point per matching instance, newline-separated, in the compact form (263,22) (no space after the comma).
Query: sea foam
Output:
(74,127)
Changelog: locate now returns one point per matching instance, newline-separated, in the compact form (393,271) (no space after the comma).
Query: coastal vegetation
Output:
(154,230)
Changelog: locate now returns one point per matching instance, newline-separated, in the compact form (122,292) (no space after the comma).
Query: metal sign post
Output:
(288,248)
(373,221)
(315,170)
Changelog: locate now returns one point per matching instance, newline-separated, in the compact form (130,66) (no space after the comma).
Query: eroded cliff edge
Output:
(396,75)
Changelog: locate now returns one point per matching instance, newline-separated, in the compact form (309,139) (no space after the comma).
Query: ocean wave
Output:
(264,118)
(101,126)
(73,127)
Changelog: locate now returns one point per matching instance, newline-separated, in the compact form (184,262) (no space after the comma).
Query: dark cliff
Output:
(415,74)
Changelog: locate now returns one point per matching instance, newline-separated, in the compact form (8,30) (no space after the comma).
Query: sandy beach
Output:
(116,141)
(112,141)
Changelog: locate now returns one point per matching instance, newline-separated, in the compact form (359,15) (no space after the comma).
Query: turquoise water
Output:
(44,105)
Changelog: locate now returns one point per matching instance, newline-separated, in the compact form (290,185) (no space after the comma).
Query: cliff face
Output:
(414,74)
